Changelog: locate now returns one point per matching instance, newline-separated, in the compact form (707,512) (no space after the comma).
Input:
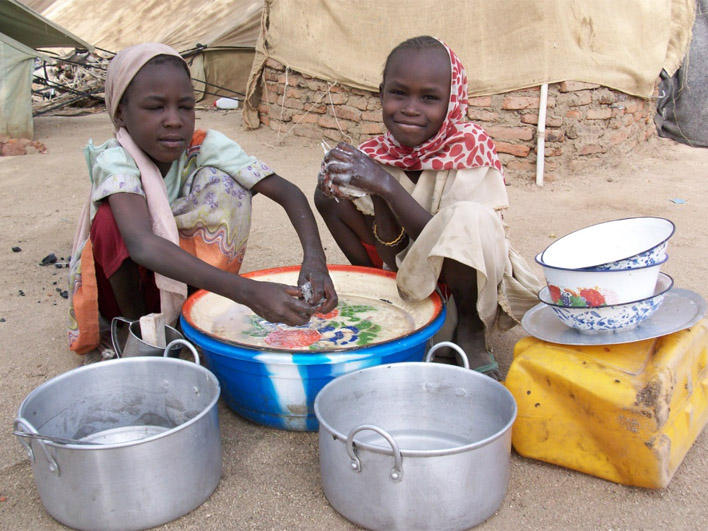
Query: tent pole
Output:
(541,134)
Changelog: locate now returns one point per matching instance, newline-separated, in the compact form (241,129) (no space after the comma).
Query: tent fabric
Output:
(24,25)
(682,109)
(116,24)
(22,32)
(505,45)
(224,31)
(16,66)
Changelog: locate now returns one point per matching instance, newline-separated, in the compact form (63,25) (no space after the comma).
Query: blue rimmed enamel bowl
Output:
(619,244)
(270,373)
(613,317)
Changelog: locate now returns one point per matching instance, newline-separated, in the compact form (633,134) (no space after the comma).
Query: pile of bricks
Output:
(19,146)
(585,123)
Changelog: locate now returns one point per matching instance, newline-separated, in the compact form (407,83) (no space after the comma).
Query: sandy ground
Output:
(271,477)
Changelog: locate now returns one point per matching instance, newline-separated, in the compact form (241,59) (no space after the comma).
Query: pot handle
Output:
(396,471)
(22,425)
(114,333)
(457,348)
(182,342)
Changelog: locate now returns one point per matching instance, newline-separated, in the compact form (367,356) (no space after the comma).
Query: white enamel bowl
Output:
(613,317)
(587,288)
(612,245)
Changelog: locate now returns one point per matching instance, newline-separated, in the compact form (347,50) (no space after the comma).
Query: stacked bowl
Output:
(607,277)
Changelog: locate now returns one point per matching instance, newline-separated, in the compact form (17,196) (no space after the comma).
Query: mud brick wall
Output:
(586,124)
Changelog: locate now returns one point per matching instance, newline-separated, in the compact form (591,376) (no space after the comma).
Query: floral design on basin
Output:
(582,298)
(347,326)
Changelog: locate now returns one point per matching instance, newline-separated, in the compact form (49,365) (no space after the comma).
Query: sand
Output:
(271,477)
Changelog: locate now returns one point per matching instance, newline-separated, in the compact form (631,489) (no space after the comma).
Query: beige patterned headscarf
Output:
(121,71)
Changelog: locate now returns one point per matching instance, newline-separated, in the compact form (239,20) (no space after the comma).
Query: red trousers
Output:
(109,254)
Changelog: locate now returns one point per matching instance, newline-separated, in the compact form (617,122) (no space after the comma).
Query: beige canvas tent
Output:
(218,37)
(23,33)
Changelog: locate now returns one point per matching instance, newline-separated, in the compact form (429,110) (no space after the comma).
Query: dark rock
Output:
(2,319)
(16,249)
(49,259)
(21,293)
(64,294)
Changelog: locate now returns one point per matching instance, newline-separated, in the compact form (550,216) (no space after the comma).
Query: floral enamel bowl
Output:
(614,317)
(585,288)
(270,373)
(612,245)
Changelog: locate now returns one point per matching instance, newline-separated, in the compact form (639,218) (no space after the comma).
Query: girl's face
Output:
(415,94)
(159,112)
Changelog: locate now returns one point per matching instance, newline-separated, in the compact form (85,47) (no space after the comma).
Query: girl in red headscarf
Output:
(425,199)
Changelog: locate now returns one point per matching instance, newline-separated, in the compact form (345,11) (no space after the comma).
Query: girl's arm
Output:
(314,263)
(394,207)
(274,302)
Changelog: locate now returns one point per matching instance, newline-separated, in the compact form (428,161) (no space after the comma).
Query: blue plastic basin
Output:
(278,389)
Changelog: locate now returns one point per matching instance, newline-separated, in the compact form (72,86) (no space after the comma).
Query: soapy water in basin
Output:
(355,322)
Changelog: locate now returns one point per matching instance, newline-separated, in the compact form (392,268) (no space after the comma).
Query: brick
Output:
(513,149)
(12,148)
(319,108)
(554,136)
(515,103)
(510,133)
(294,92)
(605,96)
(573,114)
(482,115)
(373,104)
(523,165)
(306,118)
(371,116)
(618,137)
(480,101)
(532,119)
(346,112)
(360,102)
(327,121)
(275,65)
(633,106)
(315,85)
(598,113)
(573,86)
(294,103)
(591,149)
(337,98)
(580,98)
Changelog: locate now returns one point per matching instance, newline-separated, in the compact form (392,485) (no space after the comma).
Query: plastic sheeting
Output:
(16,65)
(682,109)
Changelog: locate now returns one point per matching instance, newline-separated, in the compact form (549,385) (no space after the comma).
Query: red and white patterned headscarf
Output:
(458,144)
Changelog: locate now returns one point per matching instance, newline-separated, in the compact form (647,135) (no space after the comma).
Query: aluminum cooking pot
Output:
(415,445)
(129,443)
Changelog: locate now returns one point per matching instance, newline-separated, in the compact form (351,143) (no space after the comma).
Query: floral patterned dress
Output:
(208,189)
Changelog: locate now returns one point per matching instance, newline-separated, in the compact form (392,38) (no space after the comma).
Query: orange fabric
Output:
(210,252)
(85,301)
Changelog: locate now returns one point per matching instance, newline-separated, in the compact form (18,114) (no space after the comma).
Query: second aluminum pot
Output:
(415,445)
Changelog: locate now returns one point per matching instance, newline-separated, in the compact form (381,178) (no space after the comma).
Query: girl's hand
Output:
(316,287)
(279,303)
(346,165)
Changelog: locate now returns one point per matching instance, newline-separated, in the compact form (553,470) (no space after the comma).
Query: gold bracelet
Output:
(392,242)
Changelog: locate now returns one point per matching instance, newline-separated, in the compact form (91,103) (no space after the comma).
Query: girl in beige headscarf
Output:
(171,207)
